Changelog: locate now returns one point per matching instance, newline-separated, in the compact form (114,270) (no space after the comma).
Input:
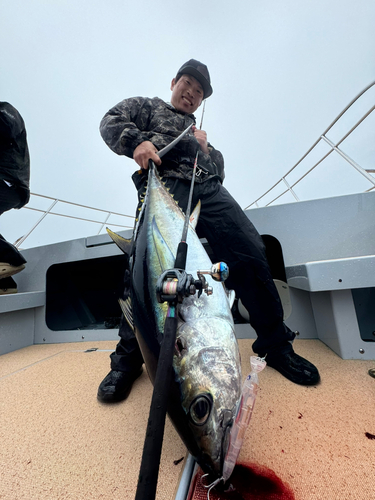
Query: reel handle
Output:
(218,272)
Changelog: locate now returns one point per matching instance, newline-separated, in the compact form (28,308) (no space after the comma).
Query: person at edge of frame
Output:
(138,127)
(14,187)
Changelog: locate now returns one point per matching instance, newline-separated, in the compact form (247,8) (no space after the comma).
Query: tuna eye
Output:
(200,410)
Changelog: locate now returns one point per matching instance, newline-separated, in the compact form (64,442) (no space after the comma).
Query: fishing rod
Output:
(182,247)
(149,470)
(172,286)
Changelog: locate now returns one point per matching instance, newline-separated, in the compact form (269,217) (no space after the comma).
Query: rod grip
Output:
(149,470)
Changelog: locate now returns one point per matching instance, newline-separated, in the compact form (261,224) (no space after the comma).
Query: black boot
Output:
(116,386)
(292,366)
(11,260)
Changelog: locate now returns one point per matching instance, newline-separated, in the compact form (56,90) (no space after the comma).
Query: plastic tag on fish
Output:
(244,412)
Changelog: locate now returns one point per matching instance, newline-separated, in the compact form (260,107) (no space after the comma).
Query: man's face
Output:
(187,94)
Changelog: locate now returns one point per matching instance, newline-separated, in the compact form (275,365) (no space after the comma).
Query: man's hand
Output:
(144,152)
(201,137)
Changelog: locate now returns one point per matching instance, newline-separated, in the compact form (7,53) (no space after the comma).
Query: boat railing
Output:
(334,148)
(105,220)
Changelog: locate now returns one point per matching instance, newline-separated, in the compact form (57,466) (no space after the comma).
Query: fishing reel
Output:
(175,284)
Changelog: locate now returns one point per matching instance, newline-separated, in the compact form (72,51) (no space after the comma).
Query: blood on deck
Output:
(248,482)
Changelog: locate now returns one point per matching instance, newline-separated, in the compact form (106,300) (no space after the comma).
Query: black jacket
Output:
(14,152)
(140,119)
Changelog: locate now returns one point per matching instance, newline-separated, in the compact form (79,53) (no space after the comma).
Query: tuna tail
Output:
(123,243)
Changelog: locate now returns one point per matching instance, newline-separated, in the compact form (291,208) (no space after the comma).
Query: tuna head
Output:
(207,368)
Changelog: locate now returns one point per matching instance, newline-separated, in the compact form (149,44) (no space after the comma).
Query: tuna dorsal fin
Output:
(164,253)
(195,215)
(123,243)
(127,310)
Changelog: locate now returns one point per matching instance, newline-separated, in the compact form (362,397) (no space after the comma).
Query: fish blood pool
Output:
(248,482)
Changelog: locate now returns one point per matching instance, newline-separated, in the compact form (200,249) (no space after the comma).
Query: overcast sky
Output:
(281,72)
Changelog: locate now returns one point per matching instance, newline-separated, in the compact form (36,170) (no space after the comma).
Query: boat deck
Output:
(59,442)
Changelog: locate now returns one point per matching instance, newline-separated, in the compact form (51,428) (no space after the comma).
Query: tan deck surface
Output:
(314,438)
(58,442)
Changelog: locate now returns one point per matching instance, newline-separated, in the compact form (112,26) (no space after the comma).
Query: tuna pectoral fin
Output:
(165,256)
(121,242)
(127,310)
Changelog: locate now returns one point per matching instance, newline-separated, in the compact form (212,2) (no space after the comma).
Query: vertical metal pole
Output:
(21,240)
(105,222)
(290,189)
(361,170)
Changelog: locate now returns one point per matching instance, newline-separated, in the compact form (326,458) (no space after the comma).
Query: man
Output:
(139,127)
(14,187)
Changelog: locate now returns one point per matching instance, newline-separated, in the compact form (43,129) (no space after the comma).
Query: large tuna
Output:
(206,390)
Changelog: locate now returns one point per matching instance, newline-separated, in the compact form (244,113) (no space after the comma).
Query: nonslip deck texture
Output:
(58,442)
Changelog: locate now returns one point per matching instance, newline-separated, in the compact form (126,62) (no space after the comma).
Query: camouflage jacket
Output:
(139,119)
